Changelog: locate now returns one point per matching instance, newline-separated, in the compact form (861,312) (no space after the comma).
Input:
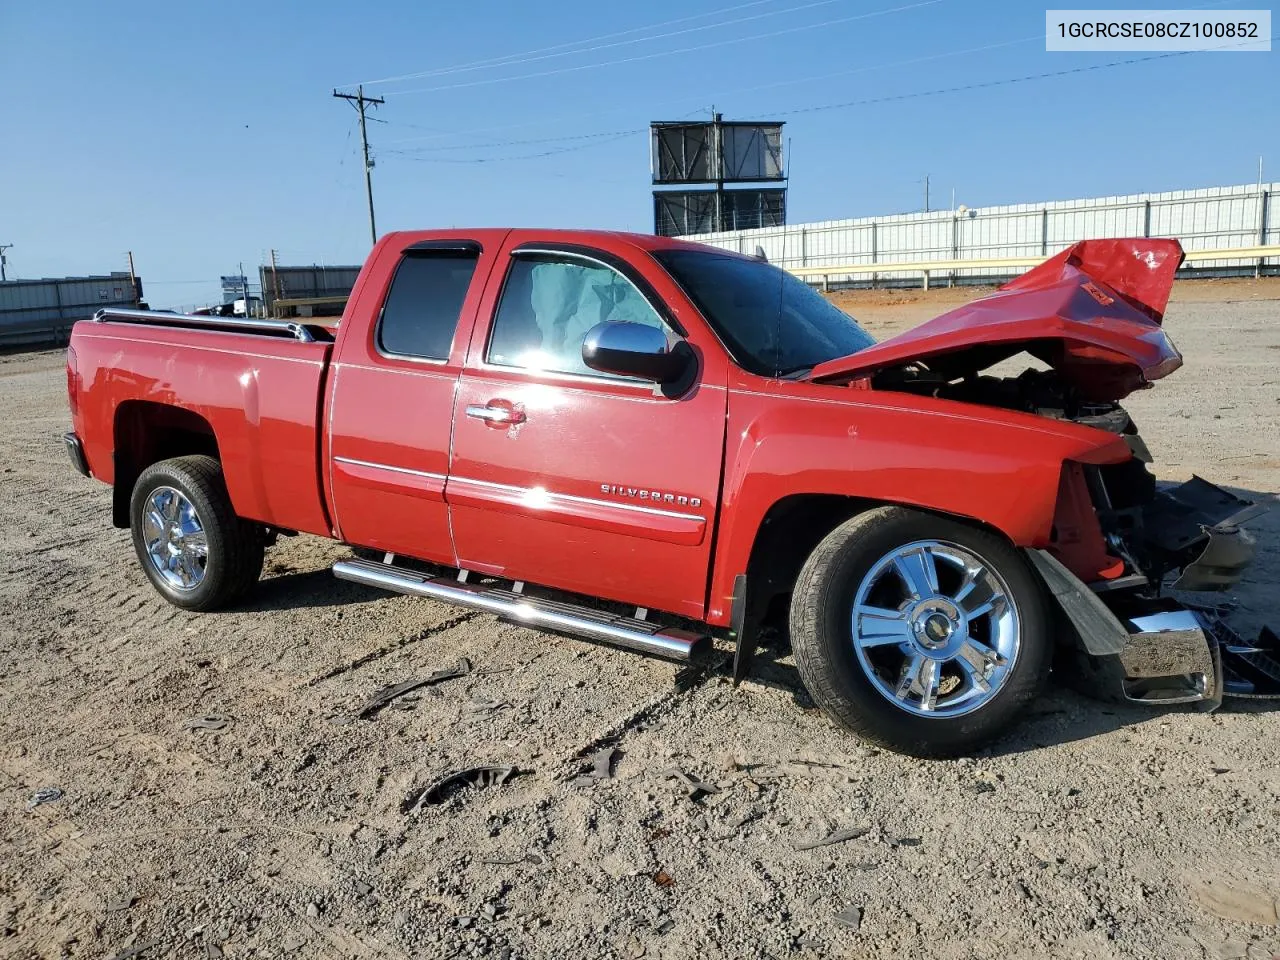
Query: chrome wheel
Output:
(175,539)
(934,629)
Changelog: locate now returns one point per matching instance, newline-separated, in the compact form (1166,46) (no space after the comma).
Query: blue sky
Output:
(200,134)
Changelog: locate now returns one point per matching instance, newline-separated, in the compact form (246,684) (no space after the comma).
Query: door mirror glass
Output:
(634,350)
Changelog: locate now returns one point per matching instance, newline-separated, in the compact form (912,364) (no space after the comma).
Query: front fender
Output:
(995,467)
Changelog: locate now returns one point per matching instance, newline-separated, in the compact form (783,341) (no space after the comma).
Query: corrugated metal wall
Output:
(294,282)
(34,312)
(1207,219)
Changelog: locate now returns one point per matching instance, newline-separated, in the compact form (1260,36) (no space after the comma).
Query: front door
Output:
(567,477)
(392,396)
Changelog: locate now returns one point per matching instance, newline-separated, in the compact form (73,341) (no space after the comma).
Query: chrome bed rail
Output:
(162,318)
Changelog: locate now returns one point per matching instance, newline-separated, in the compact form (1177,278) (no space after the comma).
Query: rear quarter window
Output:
(420,315)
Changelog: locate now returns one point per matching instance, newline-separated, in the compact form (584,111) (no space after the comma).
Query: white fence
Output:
(1222,218)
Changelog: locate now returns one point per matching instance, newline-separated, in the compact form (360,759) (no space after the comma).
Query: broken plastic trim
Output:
(447,786)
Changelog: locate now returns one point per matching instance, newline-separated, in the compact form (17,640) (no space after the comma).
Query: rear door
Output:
(392,395)
(567,477)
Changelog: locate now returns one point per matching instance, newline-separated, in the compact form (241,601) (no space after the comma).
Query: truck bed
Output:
(254,385)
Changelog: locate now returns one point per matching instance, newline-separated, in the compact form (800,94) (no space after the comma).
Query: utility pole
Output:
(926,193)
(358,100)
(275,277)
(3,261)
(717,157)
(244,289)
(133,279)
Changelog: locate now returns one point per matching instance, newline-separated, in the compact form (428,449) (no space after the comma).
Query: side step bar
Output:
(670,643)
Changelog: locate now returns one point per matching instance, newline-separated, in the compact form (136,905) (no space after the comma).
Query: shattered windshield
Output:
(772,323)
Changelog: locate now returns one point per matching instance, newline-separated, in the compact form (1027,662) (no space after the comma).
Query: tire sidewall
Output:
(859,703)
(172,474)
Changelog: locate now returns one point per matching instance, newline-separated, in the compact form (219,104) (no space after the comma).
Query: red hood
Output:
(1092,312)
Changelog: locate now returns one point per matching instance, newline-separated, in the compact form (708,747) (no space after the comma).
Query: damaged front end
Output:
(1134,641)
(1091,318)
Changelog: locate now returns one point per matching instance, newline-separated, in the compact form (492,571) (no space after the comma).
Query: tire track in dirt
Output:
(685,683)
(390,648)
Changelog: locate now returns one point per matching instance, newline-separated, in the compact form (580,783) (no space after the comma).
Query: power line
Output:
(999,83)
(514,143)
(719,94)
(670,53)
(867,101)
(534,56)
(508,58)
(409,155)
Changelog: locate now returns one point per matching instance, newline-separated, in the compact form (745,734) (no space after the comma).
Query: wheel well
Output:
(146,433)
(790,531)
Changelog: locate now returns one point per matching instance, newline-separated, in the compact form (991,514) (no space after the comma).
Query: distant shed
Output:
(322,290)
(40,312)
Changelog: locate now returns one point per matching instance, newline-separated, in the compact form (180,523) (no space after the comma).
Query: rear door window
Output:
(420,314)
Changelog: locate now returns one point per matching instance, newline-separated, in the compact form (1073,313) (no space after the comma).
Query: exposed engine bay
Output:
(1041,392)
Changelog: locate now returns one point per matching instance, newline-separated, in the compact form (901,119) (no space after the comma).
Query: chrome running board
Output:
(670,643)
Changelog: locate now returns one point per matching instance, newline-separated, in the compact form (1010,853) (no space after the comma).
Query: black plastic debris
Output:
(694,787)
(1250,669)
(850,918)
(602,762)
(387,694)
(438,791)
(42,796)
(124,903)
(532,858)
(136,950)
(838,836)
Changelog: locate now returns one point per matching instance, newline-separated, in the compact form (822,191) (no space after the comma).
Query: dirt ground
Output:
(1093,831)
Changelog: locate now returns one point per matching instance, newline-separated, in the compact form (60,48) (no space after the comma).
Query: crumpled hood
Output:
(1092,312)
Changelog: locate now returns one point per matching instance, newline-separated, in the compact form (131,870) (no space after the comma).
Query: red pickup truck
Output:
(532,422)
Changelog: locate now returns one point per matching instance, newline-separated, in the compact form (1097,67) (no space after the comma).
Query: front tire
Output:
(193,548)
(919,633)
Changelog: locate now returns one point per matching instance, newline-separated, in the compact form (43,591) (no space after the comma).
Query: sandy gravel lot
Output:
(1093,832)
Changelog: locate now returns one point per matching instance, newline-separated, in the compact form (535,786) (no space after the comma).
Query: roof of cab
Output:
(588,238)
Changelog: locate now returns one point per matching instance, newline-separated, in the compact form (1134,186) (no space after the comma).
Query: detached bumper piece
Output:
(1189,656)
(1171,657)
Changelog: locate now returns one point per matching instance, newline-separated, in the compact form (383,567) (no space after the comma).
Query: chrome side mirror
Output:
(634,350)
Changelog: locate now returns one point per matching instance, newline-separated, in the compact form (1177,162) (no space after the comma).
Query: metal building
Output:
(283,287)
(37,312)
(1213,218)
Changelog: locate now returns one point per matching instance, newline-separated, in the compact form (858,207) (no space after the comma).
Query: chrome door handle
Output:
(495,414)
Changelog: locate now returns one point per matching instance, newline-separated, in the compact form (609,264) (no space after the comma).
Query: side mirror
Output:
(634,350)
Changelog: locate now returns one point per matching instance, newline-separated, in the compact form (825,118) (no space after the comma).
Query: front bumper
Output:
(1155,650)
(1180,655)
(75,450)
(1171,657)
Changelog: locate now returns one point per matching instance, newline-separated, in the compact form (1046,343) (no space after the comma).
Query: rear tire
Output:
(894,647)
(193,548)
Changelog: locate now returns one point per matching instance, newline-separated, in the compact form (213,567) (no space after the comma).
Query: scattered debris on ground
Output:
(209,723)
(694,787)
(838,836)
(386,695)
(42,796)
(451,784)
